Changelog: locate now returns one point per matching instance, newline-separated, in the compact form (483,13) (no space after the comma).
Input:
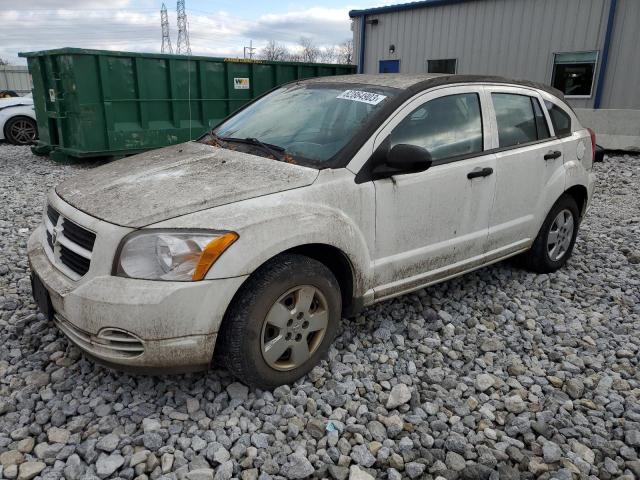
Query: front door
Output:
(389,66)
(433,224)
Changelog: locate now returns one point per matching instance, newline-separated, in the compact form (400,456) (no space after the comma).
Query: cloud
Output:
(45,24)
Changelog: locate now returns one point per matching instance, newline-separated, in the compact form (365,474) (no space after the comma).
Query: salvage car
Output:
(248,246)
(18,120)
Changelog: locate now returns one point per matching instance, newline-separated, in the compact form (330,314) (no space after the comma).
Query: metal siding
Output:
(512,38)
(622,80)
(16,78)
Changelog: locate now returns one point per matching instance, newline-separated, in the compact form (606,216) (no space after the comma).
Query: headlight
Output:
(171,255)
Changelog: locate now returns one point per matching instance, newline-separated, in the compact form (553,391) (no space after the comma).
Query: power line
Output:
(164,22)
(249,49)
(183,47)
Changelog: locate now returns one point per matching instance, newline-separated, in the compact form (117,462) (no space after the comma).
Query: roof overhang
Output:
(404,6)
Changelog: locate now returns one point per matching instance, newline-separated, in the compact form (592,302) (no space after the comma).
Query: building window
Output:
(446,65)
(389,66)
(573,73)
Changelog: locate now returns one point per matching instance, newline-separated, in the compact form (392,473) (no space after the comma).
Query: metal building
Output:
(590,49)
(15,78)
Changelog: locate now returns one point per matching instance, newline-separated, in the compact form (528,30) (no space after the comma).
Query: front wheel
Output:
(281,322)
(554,244)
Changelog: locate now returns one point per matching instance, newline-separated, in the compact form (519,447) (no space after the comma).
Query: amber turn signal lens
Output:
(212,252)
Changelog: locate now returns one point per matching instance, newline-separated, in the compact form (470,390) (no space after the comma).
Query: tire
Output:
(21,130)
(547,256)
(249,343)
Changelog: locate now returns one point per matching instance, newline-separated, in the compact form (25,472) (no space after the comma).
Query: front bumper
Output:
(136,324)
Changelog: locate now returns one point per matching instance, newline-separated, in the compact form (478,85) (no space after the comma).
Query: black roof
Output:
(413,83)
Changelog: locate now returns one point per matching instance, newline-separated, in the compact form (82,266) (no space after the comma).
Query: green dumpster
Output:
(97,103)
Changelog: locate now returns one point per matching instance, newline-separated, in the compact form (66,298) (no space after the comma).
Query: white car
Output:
(320,198)
(18,120)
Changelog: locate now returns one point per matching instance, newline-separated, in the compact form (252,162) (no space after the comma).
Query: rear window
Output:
(560,120)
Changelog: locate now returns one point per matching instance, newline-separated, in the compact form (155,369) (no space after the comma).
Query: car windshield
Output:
(307,123)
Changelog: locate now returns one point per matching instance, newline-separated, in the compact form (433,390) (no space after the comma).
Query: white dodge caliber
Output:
(315,200)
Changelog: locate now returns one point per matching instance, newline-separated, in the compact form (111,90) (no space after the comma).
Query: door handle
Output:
(552,155)
(480,172)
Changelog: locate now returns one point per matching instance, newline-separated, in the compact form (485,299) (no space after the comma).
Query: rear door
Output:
(529,167)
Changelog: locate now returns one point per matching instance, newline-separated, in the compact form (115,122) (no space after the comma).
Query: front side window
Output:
(304,123)
(447,127)
(560,120)
(445,65)
(518,120)
(573,73)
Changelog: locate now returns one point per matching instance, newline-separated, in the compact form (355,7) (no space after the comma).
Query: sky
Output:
(216,27)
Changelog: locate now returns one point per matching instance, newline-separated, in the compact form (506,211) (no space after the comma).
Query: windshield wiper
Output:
(275,150)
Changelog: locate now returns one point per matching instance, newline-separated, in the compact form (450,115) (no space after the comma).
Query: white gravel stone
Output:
(484,381)
(515,404)
(400,394)
(356,473)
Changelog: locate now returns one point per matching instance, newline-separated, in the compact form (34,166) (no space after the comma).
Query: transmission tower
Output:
(164,22)
(183,46)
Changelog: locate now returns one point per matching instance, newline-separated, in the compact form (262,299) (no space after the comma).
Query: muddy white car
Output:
(312,202)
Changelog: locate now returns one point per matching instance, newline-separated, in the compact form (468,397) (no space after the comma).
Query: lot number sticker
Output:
(360,96)
(241,83)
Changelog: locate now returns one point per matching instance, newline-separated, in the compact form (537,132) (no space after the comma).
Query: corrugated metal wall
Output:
(622,82)
(16,78)
(513,38)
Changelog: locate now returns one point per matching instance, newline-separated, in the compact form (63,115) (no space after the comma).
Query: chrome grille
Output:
(69,244)
(78,235)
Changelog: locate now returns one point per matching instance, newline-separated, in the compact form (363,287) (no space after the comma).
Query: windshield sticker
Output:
(360,96)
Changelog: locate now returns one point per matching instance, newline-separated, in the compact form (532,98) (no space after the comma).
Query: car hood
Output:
(177,180)
(15,102)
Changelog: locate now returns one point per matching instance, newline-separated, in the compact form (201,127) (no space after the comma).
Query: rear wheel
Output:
(21,130)
(281,323)
(553,246)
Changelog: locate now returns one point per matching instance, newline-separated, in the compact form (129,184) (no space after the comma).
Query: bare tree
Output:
(310,52)
(274,51)
(328,54)
(345,52)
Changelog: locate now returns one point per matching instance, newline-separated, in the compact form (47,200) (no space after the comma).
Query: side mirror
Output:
(408,158)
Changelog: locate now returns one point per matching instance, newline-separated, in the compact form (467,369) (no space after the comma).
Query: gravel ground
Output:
(498,374)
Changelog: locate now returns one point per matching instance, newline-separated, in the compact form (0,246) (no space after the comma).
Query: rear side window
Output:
(516,119)
(560,120)
(447,127)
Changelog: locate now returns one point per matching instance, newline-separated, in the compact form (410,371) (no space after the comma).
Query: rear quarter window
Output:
(560,120)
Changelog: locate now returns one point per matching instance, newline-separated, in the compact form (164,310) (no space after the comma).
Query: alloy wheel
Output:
(294,327)
(23,131)
(560,235)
